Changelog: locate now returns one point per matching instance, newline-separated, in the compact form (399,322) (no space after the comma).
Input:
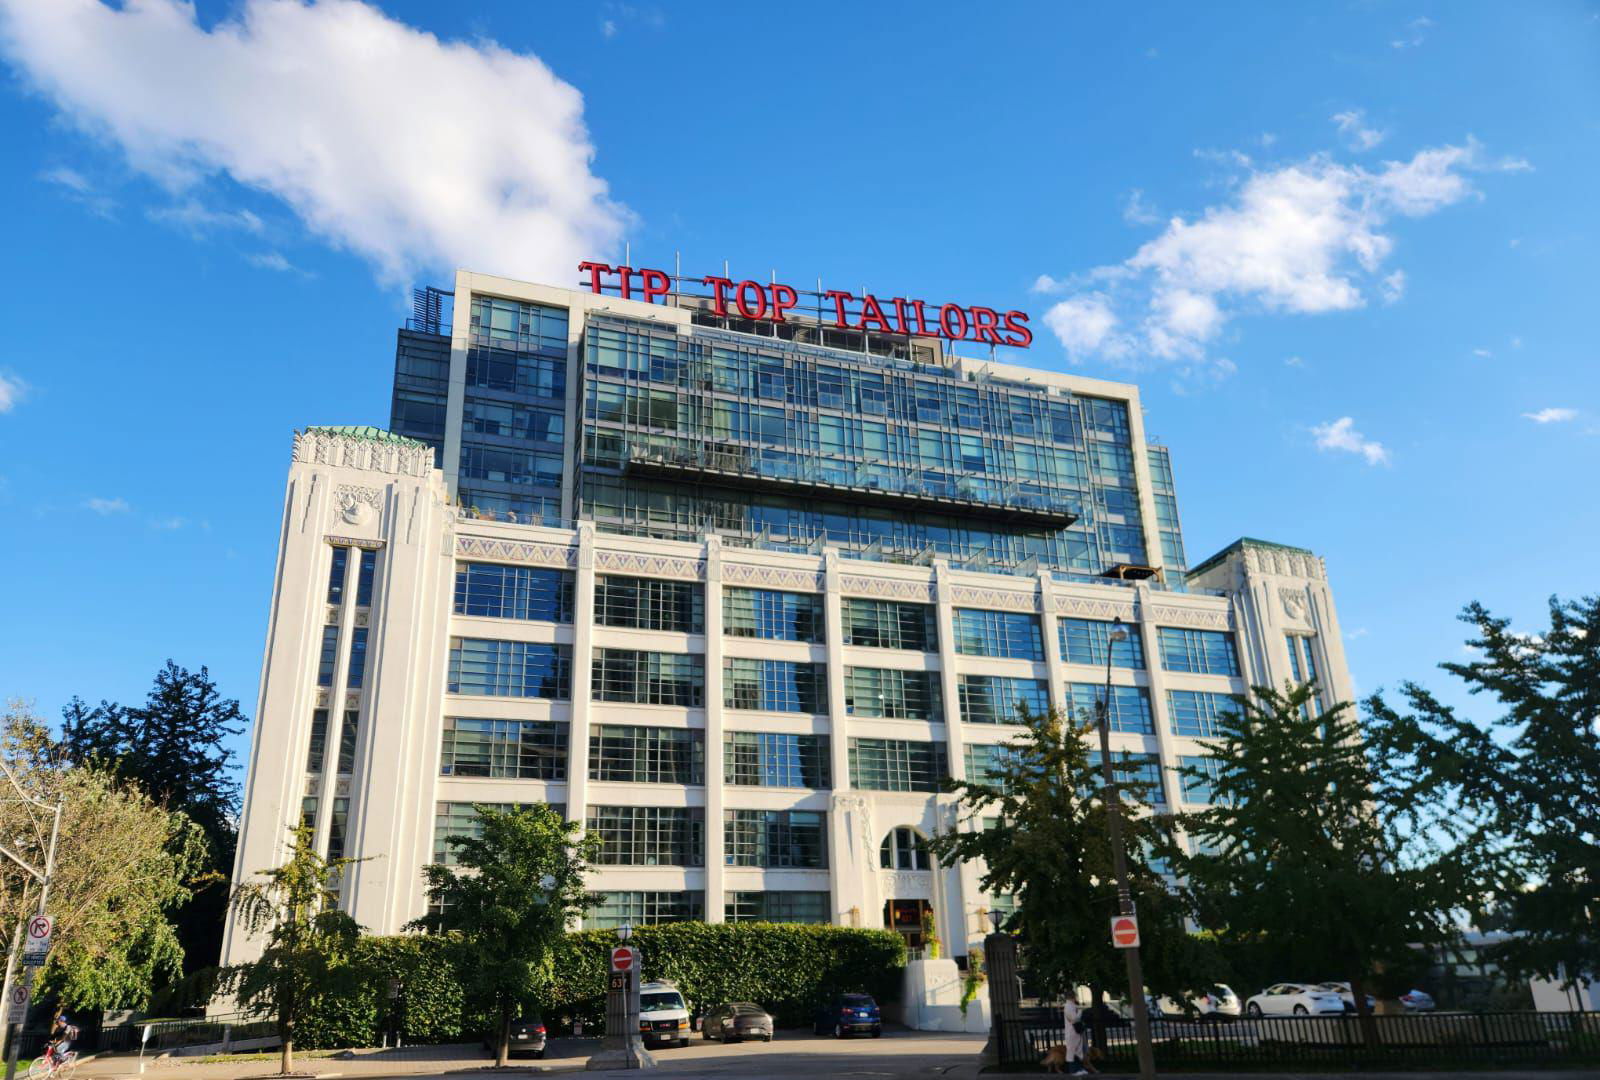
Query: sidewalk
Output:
(467,1058)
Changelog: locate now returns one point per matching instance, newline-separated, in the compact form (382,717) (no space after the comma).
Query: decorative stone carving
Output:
(332,618)
(999,599)
(365,543)
(395,457)
(352,700)
(908,884)
(627,562)
(1093,609)
(322,697)
(516,551)
(883,588)
(1294,603)
(771,577)
(1193,619)
(357,504)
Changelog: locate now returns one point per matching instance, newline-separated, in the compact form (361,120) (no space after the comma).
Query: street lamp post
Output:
(1119,862)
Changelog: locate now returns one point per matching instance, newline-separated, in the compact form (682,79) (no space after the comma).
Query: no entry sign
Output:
(1125,931)
(622,958)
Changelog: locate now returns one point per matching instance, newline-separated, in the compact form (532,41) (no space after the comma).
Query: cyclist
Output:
(62,1032)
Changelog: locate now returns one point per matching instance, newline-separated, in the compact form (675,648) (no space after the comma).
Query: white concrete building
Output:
(752,627)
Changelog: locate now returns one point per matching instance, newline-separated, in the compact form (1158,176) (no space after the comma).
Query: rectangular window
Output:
(775,839)
(775,686)
(984,762)
(503,749)
(1199,787)
(338,823)
(329,660)
(369,566)
(998,633)
(616,909)
(358,658)
(349,731)
(1083,641)
(647,755)
(764,759)
(461,819)
(341,566)
(773,615)
(777,907)
(319,741)
(1196,712)
(513,592)
(308,812)
(998,699)
(649,678)
(892,694)
(1131,768)
(1203,652)
(509,669)
(896,765)
(649,835)
(887,624)
(1302,657)
(1129,707)
(649,604)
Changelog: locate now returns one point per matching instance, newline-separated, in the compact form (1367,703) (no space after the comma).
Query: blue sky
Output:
(1348,251)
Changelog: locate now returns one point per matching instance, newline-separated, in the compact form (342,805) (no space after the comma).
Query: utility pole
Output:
(1119,861)
(14,1031)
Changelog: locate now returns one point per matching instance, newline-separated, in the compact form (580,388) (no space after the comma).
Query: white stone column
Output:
(582,666)
(840,816)
(949,681)
(1156,680)
(716,897)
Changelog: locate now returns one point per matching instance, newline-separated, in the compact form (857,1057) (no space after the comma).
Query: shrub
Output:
(790,969)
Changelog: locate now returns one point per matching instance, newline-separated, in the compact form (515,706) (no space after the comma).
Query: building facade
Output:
(737,596)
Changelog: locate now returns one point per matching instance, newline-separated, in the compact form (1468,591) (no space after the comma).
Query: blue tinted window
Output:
(509,668)
(1129,707)
(358,658)
(1197,712)
(998,633)
(513,592)
(329,659)
(999,699)
(1203,652)
(341,564)
(1083,641)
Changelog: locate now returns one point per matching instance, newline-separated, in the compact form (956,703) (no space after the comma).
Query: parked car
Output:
(735,1021)
(1294,999)
(663,1016)
(1217,1003)
(1416,1001)
(1348,996)
(527,1037)
(847,1014)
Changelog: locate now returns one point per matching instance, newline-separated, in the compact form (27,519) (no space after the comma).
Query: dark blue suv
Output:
(847,1014)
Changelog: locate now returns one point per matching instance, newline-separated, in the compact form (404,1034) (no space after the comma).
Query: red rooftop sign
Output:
(763,302)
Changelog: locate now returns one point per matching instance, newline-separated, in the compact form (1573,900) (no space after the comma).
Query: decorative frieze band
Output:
(771,577)
(370,455)
(998,599)
(516,551)
(669,566)
(1193,619)
(363,543)
(884,588)
(1288,563)
(1080,608)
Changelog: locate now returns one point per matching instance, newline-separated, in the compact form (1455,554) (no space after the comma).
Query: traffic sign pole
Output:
(15,1029)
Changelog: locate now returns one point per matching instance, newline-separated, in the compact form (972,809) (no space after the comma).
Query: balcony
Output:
(913,490)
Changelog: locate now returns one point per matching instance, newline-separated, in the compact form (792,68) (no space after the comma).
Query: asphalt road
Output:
(801,1054)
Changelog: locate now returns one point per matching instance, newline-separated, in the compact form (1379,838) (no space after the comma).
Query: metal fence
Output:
(1417,1040)
(165,1035)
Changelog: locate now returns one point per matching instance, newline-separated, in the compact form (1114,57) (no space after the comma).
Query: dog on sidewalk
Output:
(1055,1060)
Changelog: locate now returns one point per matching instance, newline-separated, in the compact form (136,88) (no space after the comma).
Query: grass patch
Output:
(262,1055)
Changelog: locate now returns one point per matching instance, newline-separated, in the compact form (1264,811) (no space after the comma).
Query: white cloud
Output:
(1484,353)
(1044,283)
(1516,343)
(1415,34)
(1341,435)
(1394,287)
(608,28)
(196,218)
(1294,361)
(1135,211)
(1307,237)
(169,524)
(1352,125)
(270,260)
(379,136)
(12,391)
(1551,416)
(79,189)
(1358,632)
(107,507)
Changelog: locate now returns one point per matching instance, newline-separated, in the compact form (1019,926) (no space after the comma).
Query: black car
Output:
(527,1037)
(736,1021)
(847,1014)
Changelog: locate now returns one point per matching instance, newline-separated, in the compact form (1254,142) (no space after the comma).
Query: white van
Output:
(663,1016)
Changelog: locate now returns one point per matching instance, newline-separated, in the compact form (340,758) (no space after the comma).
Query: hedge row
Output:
(790,969)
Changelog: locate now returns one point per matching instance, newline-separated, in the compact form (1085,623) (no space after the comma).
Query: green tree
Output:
(174,748)
(1523,790)
(1041,836)
(123,864)
(309,944)
(509,898)
(1310,850)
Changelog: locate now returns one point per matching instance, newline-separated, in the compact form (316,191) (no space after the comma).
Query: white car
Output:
(1218,1003)
(1416,1001)
(663,1016)
(1295,999)
(1348,996)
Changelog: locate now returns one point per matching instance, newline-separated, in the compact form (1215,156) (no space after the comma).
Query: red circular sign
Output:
(1124,931)
(39,927)
(622,958)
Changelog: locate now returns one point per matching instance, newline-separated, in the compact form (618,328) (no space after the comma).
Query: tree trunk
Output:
(285,1040)
(1364,1017)
(503,1044)
(1097,1015)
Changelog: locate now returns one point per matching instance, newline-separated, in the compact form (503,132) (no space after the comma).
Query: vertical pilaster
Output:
(1156,680)
(949,682)
(329,784)
(582,666)
(715,801)
(839,817)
